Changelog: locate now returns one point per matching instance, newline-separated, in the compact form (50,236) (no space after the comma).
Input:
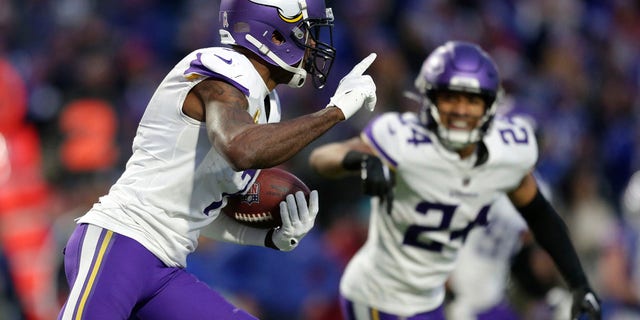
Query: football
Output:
(260,206)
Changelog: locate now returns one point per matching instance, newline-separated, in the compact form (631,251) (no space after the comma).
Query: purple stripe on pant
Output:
(348,312)
(114,277)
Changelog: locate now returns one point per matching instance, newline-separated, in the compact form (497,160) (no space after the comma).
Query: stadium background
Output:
(75,77)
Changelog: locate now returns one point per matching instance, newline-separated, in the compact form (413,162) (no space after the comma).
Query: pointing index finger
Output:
(361,67)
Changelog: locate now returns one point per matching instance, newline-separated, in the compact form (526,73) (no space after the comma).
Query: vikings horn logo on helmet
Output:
(288,12)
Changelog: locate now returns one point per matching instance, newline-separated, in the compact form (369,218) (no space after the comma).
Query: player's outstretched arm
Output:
(327,160)
(551,233)
(247,145)
(354,156)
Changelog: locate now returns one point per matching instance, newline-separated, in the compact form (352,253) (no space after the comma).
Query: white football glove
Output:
(297,220)
(356,90)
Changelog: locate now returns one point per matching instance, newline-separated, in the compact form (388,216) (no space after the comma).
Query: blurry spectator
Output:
(90,128)
(620,263)
(589,216)
(25,217)
(10,307)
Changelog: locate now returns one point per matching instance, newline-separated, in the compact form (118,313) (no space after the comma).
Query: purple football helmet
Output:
(462,67)
(300,26)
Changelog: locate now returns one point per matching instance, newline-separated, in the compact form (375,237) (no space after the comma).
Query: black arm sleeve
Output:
(551,233)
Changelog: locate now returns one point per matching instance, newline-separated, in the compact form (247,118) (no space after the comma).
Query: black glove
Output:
(586,305)
(377,179)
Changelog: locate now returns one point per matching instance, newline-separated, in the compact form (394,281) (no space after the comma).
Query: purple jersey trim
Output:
(198,67)
(217,204)
(369,135)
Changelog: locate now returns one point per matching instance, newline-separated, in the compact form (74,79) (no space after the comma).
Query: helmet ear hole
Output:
(277,38)
(241,27)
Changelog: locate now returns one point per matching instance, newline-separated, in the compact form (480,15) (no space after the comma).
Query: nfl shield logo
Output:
(253,195)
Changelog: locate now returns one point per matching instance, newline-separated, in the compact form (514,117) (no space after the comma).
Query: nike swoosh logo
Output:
(227,61)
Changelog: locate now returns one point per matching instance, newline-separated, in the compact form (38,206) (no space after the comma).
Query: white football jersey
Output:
(439,197)
(175,182)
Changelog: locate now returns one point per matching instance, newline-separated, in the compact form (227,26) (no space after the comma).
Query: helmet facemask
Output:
(318,43)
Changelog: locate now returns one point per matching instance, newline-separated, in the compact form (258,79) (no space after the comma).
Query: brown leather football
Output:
(259,207)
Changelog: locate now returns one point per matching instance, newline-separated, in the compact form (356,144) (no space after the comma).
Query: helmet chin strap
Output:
(299,74)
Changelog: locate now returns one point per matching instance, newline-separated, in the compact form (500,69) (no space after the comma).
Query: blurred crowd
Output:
(75,77)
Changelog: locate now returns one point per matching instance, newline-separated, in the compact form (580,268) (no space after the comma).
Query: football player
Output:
(209,128)
(619,265)
(436,174)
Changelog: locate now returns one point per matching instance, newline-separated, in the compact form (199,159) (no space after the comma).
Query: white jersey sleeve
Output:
(175,182)
(439,197)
